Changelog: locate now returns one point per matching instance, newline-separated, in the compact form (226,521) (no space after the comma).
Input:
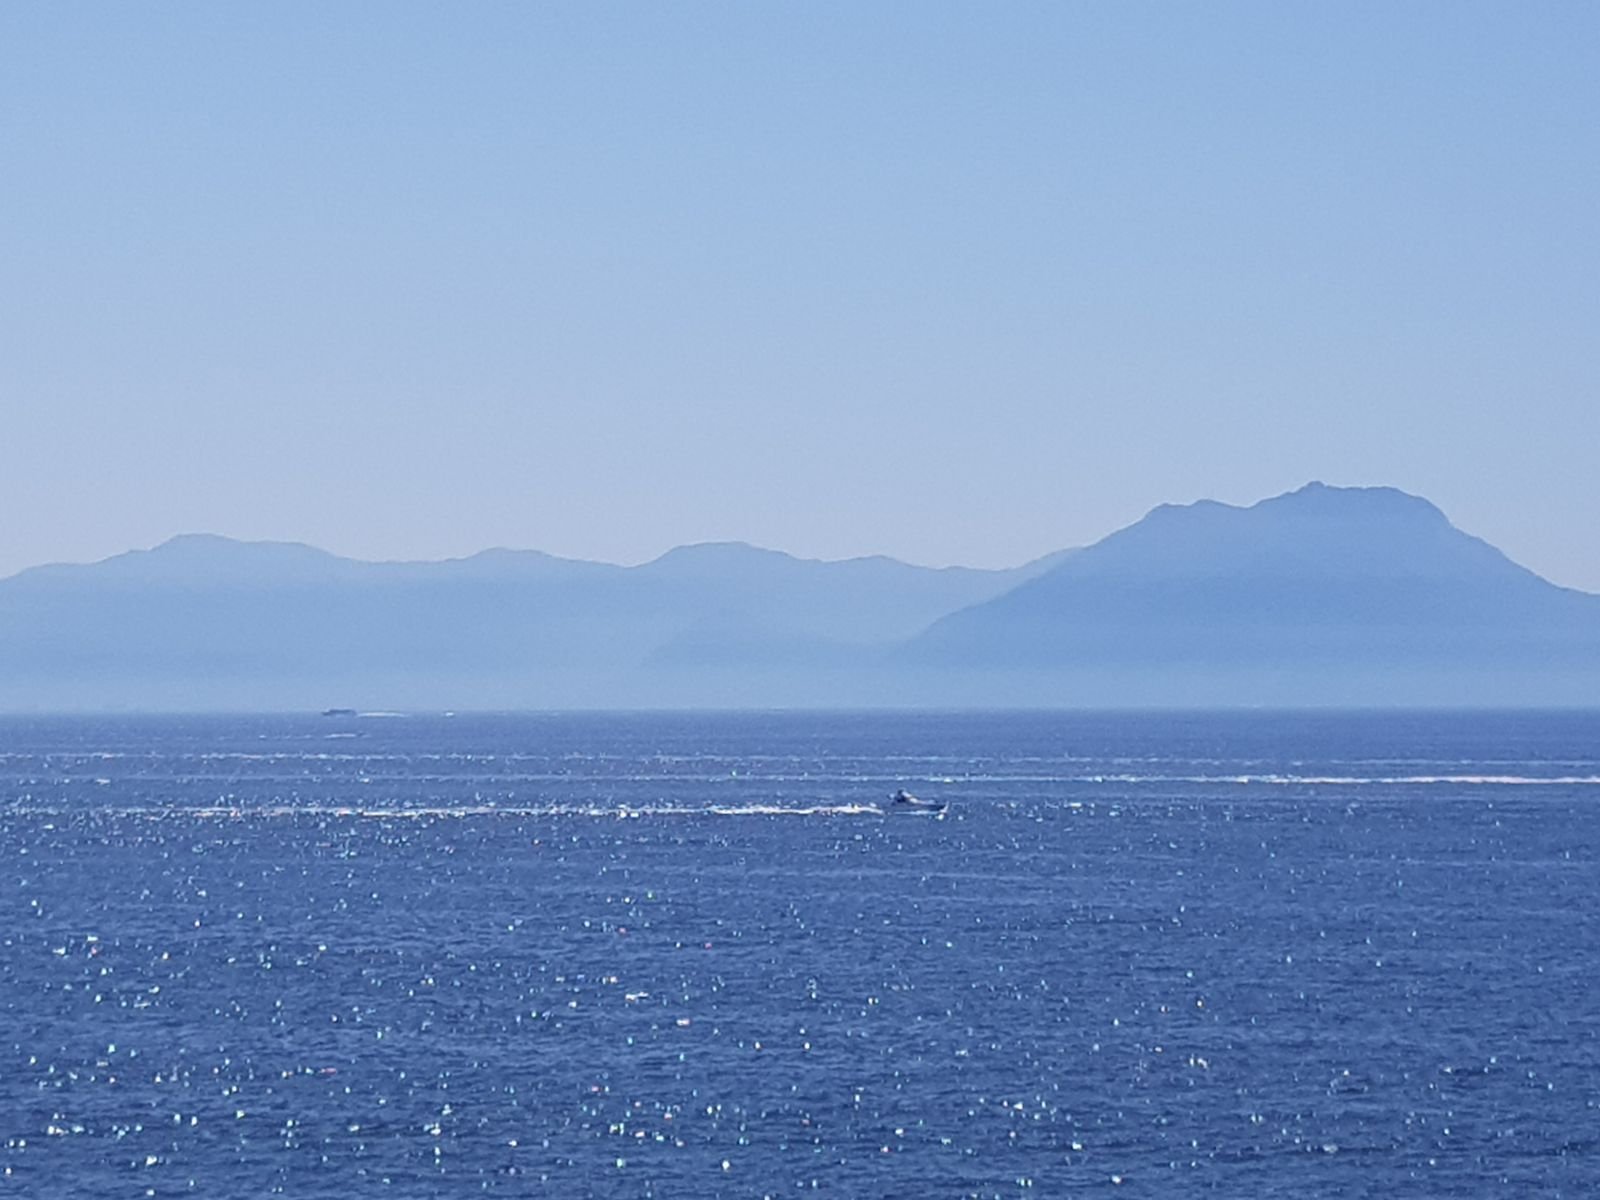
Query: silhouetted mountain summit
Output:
(1316,532)
(198,558)
(211,560)
(1361,594)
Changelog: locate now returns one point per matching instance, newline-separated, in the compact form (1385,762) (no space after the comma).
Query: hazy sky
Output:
(958,283)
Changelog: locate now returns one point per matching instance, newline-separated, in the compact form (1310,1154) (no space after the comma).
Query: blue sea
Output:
(1164,955)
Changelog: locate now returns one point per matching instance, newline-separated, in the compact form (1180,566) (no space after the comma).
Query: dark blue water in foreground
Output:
(685,956)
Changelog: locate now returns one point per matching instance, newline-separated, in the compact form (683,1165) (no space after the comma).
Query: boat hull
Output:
(903,802)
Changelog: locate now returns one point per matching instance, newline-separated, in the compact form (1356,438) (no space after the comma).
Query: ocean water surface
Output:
(689,955)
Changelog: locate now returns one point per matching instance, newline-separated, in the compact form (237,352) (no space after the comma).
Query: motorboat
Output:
(904,802)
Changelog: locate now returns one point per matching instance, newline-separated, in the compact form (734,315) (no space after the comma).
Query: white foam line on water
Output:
(1321,780)
(615,812)
(1471,780)
(778,810)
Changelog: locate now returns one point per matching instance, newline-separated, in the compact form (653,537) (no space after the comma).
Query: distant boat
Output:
(338,712)
(904,802)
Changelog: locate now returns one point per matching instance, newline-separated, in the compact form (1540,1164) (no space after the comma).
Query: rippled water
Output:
(689,956)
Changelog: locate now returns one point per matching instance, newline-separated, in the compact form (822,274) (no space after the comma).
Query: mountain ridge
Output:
(1319,595)
(212,620)
(181,543)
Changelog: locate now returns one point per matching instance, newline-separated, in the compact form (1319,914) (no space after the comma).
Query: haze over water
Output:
(628,955)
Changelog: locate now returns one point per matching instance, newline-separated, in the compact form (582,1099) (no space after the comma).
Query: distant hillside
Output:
(202,622)
(1323,595)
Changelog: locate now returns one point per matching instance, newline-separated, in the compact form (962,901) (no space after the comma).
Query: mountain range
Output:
(1321,596)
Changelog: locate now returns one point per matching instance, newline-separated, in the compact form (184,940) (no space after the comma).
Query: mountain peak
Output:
(1323,498)
(1308,579)
(716,556)
(218,546)
(1316,531)
(188,559)
(1315,500)
(184,541)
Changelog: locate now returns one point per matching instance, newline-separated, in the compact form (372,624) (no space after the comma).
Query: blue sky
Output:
(958,283)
